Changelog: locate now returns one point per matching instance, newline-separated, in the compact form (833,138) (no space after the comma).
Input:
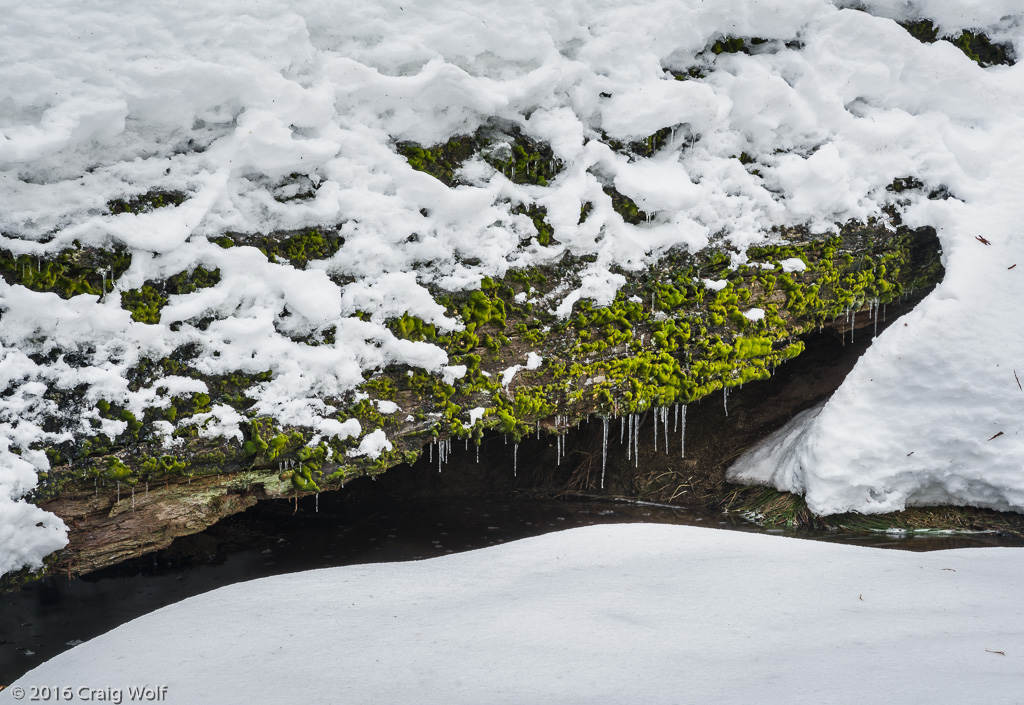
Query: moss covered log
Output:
(692,325)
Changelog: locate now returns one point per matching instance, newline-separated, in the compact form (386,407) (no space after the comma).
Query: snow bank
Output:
(226,104)
(657,614)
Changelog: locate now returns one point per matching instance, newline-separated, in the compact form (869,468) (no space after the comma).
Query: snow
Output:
(754,314)
(372,445)
(453,372)
(386,407)
(534,361)
(666,614)
(224,104)
(508,374)
(793,264)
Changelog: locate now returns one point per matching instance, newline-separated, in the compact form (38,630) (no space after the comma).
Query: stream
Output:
(55,614)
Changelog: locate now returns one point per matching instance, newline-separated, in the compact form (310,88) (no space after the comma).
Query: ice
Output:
(682,432)
(604,449)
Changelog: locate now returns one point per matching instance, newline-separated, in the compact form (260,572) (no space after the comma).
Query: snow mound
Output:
(585,616)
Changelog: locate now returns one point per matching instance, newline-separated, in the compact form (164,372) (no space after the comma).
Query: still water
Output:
(55,614)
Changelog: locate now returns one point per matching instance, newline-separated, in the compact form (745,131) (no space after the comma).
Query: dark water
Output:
(53,615)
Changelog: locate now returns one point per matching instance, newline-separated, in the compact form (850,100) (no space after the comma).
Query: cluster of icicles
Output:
(629,434)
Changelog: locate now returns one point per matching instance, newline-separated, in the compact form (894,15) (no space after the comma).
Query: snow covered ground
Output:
(103,100)
(612,614)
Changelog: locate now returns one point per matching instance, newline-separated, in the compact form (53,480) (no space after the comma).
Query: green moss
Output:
(508,149)
(146,202)
(976,46)
(443,160)
(71,272)
(729,45)
(298,248)
(538,214)
(144,303)
(116,470)
(664,339)
(626,207)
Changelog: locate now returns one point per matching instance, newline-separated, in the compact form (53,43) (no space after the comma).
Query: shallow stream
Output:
(55,614)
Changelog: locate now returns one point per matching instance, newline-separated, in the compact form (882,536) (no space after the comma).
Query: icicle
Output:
(629,440)
(655,410)
(664,425)
(682,434)
(317,503)
(675,410)
(636,442)
(875,334)
(478,454)
(467,442)
(431,456)
(538,429)
(622,429)
(515,460)
(725,400)
(604,452)
(133,498)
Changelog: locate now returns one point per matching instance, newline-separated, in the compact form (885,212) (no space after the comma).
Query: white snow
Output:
(793,264)
(453,372)
(715,284)
(643,613)
(386,407)
(534,361)
(508,374)
(372,445)
(475,414)
(224,103)
(754,314)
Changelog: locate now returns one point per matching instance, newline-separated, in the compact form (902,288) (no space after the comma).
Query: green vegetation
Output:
(665,338)
(145,303)
(74,271)
(976,46)
(507,149)
(296,248)
(770,507)
(146,202)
